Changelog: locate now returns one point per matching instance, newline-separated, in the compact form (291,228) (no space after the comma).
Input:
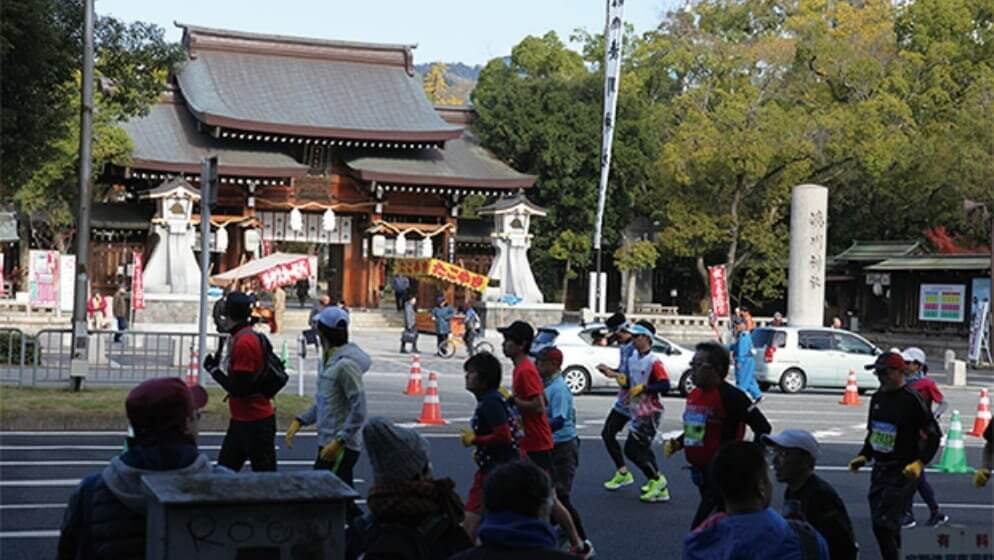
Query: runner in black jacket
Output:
(902,436)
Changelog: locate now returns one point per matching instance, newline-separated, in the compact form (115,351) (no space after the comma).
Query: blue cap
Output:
(332,317)
(636,330)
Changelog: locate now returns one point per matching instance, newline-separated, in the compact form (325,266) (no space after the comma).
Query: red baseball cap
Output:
(888,360)
(553,355)
(162,404)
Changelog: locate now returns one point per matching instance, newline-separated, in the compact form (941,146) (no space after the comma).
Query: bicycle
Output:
(449,346)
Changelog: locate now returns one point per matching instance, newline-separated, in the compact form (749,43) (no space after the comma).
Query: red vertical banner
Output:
(137,283)
(719,290)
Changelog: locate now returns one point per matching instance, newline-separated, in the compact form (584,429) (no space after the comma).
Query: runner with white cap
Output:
(916,377)
(808,497)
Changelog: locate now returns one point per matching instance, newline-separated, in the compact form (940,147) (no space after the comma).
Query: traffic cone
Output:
(851,396)
(414,387)
(983,415)
(193,369)
(953,454)
(431,410)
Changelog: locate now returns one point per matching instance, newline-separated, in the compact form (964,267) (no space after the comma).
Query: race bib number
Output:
(883,436)
(695,425)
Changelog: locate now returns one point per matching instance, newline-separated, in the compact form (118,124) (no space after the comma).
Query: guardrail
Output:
(116,358)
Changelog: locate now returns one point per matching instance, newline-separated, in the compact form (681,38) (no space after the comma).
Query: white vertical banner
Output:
(614,30)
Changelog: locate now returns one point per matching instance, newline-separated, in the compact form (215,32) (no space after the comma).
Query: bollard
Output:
(959,373)
(947,361)
(300,366)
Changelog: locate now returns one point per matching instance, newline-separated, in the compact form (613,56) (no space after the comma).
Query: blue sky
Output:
(469,31)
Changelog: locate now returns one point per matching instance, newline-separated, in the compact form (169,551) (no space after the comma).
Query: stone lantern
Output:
(172,268)
(510,268)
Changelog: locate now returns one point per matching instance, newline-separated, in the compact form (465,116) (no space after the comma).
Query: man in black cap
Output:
(105,516)
(902,437)
(252,430)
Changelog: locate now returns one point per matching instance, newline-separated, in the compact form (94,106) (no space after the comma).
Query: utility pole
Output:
(208,196)
(79,366)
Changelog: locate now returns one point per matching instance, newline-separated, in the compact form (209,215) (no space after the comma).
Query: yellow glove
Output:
(857,463)
(330,452)
(291,432)
(622,380)
(467,437)
(636,390)
(980,477)
(671,446)
(504,392)
(914,470)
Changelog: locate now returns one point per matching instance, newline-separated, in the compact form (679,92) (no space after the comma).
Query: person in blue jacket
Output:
(562,420)
(442,313)
(745,360)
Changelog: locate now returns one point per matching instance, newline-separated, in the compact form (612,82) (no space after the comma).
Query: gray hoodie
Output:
(125,481)
(339,408)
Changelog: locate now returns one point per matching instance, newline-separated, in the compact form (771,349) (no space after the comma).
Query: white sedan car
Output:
(581,357)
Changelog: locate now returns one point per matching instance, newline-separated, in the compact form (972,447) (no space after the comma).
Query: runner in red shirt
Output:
(716,413)
(252,430)
(529,397)
(916,377)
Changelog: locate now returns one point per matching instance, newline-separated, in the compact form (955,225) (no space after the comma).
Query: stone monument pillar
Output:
(808,239)
(510,268)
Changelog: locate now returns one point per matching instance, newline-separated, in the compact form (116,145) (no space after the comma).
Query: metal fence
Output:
(120,358)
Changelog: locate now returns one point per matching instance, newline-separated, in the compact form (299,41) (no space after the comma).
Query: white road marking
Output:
(53,482)
(32,506)
(826,433)
(29,534)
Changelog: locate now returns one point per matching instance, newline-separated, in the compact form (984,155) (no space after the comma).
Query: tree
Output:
(42,46)
(436,88)
(630,258)
(540,111)
(571,248)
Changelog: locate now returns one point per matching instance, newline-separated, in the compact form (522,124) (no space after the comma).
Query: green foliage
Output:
(41,165)
(572,249)
(632,257)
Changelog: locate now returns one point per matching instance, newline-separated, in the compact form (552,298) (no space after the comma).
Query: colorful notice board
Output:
(942,302)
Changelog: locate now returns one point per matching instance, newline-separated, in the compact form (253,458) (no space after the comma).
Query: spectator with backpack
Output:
(749,527)
(339,408)
(412,515)
(246,361)
(105,516)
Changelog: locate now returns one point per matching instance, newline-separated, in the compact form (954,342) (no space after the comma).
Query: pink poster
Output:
(43,278)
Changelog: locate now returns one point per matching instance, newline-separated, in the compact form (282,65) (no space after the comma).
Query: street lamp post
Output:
(79,366)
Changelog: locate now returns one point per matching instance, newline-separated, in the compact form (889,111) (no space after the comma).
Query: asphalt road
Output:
(39,470)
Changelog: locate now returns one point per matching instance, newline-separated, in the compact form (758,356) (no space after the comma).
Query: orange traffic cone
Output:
(193,369)
(983,415)
(851,396)
(414,387)
(431,410)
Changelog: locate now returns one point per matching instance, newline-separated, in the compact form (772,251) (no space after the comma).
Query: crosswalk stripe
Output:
(47,534)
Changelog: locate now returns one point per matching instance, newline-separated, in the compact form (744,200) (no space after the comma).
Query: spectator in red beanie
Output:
(105,517)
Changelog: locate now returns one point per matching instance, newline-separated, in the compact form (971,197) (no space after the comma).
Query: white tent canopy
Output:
(278,269)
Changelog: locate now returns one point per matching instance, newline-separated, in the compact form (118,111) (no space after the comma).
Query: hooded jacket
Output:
(510,535)
(339,408)
(105,516)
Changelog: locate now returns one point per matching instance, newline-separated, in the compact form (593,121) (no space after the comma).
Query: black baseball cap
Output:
(615,322)
(518,331)
(238,304)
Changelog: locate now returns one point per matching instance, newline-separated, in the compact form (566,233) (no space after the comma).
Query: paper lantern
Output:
(252,240)
(296,220)
(427,249)
(328,220)
(221,239)
(379,245)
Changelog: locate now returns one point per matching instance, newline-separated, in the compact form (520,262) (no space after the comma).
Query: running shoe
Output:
(658,491)
(619,479)
(908,521)
(585,550)
(937,518)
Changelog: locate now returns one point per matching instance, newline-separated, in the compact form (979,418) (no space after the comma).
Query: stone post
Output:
(806,277)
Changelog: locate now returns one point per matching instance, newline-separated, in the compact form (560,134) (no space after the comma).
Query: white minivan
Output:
(797,357)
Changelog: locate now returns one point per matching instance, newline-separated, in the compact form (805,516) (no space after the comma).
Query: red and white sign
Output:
(719,290)
(137,283)
(285,273)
